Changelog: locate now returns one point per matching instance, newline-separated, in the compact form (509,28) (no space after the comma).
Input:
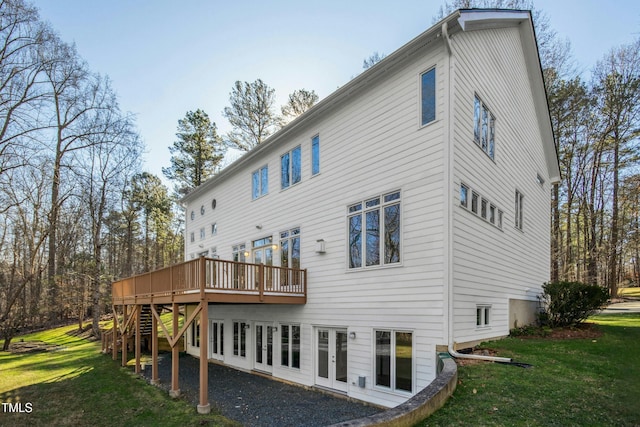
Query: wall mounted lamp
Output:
(352,335)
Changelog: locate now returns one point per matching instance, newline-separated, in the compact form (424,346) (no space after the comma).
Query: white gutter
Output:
(449,165)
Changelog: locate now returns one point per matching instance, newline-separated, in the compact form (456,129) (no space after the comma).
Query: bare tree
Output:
(617,85)
(298,103)
(372,60)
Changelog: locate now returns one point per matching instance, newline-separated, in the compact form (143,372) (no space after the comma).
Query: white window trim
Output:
(362,211)
(435,119)
(290,346)
(392,368)
(499,213)
(486,311)
(290,171)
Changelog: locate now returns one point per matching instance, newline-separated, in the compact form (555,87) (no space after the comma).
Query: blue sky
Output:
(169,57)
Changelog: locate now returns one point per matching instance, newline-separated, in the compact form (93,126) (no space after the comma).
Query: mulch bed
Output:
(581,331)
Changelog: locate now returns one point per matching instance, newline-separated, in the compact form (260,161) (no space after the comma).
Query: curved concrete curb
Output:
(419,406)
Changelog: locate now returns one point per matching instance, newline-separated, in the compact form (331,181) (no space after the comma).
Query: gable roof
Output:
(460,20)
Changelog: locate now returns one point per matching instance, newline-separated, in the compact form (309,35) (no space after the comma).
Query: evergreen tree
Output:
(251,114)
(197,153)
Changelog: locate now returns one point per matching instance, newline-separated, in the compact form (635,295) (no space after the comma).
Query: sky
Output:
(165,58)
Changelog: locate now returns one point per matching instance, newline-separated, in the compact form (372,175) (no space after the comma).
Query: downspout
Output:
(448,213)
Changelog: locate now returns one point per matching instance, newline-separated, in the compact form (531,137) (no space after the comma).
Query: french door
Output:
(331,358)
(264,256)
(216,339)
(263,348)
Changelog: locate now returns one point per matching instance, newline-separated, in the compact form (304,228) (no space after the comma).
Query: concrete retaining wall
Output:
(419,406)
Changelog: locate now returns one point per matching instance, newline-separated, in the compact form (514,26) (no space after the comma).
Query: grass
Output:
(73,384)
(573,382)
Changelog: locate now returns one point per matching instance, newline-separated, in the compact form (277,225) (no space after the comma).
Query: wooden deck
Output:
(214,281)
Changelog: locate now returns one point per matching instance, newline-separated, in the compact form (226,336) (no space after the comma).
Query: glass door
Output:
(263,347)
(264,256)
(331,360)
(216,337)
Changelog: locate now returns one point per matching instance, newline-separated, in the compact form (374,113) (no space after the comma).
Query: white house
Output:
(415,199)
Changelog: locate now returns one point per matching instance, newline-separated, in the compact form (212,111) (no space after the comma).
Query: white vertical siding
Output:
(493,265)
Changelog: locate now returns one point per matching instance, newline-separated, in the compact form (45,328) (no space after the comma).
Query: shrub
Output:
(570,303)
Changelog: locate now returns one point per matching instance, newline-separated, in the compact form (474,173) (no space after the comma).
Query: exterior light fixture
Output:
(352,335)
(320,246)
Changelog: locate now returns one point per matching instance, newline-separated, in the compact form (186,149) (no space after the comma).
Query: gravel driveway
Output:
(256,401)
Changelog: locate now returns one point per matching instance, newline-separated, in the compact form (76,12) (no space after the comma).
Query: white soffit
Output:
(471,20)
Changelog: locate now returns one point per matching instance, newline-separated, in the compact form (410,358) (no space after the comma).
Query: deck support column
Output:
(204,407)
(114,337)
(175,355)
(154,350)
(138,315)
(125,338)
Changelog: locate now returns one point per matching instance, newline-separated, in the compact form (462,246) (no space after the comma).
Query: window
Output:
(192,237)
(428,96)
(464,194)
(240,339)
(519,210)
(381,235)
(290,346)
(474,202)
(214,229)
(193,215)
(202,233)
(394,360)
(260,182)
(290,168)
(483,315)
(487,210)
(483,127)
(202,210)
(315,155)
(195,333)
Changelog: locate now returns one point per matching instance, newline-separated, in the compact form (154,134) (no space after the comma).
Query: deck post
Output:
(154,350)
(261,281)
(138,315)
(114,337)
(175,355)
(204,407)
(125,338)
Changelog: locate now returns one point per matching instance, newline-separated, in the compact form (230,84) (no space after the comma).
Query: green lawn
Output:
(573,382)
(73,384)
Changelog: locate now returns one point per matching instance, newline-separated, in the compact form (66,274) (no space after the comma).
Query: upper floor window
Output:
(480,206)
(378,242)
(290,168)
(483,127)
(519,210)
(428,96)
(260,182)
(315,155)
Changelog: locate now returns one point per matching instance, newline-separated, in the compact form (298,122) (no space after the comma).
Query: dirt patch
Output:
(478,352)
(581,331)
(33,347)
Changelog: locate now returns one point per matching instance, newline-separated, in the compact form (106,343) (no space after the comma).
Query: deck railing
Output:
(212,275)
